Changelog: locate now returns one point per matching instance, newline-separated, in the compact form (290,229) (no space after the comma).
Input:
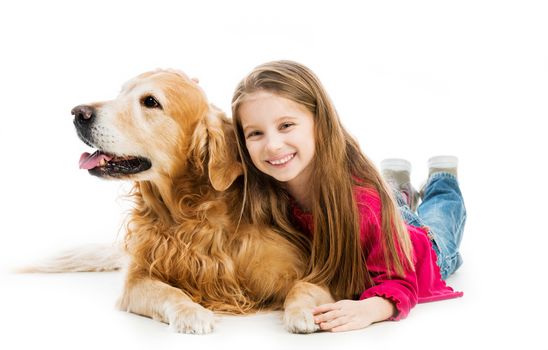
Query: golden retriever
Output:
(190,253)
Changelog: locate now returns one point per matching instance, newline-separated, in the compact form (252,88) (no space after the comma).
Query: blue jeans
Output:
(443,213)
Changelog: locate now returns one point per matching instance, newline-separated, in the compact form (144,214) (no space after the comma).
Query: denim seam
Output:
(438,175)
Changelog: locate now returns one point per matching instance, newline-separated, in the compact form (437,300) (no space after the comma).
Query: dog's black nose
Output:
(83,114)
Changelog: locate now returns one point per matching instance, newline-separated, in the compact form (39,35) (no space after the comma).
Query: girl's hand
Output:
(347,315)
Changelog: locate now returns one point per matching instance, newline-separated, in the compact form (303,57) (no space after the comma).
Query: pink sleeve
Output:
(401,291)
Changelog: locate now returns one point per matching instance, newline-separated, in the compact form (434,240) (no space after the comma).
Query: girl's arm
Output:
(347,315)
(389,297)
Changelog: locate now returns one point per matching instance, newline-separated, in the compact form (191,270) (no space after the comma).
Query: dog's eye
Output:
(150,102)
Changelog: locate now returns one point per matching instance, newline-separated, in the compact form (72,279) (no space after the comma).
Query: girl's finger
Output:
(327,316)
(335,323)
(323,308)
(345,327)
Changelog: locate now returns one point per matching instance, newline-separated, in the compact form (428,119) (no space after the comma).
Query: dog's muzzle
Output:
(102,163)
(84,116)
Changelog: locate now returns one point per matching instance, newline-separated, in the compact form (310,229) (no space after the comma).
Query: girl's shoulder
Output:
(369,205)
(367,196)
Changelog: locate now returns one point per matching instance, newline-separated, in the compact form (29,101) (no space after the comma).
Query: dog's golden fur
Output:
(190,253)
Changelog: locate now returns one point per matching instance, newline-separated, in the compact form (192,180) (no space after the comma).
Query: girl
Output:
(304,172)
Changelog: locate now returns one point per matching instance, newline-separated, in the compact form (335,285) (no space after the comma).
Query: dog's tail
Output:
(81,259)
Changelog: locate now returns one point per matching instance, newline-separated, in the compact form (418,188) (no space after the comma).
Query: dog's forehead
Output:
(152,79)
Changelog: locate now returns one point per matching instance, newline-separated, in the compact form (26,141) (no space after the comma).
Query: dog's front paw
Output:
(191,318)
(300,320)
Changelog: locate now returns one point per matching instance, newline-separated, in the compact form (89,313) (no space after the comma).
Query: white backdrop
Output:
(409,78)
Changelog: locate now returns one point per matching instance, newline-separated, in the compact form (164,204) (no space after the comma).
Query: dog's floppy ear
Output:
(224,166)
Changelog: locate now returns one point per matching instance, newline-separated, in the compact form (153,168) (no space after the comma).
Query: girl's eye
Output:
(286,125)
(253,133)
(150,102)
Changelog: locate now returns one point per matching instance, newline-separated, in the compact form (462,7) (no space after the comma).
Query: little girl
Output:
(304,172)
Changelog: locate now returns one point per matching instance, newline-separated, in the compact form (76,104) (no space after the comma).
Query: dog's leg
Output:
(162,302)
(298,306)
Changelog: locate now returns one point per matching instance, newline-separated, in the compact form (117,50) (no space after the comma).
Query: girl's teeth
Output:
(282,161)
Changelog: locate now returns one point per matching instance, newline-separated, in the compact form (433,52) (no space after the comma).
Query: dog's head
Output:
(149,130)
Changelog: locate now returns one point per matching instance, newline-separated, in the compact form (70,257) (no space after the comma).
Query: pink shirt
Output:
(419,286)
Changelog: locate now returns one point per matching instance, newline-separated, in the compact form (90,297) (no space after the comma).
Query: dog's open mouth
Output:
(101,163)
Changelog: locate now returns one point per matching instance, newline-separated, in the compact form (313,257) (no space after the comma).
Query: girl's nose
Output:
(274,143)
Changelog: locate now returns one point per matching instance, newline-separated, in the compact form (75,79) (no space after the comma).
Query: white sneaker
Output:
(396,172)
(443,162)
(447,164)
(395,164)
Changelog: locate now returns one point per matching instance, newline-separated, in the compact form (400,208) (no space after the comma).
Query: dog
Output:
(191,253)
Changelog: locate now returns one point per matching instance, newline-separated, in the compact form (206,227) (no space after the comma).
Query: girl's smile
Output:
(282,161)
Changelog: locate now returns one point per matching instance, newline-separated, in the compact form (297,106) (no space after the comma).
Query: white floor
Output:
(67,311)
(76,311)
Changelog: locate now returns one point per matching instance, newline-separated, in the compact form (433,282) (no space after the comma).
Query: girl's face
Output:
(279,135)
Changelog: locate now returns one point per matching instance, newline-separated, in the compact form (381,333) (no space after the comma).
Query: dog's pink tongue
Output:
(90,161)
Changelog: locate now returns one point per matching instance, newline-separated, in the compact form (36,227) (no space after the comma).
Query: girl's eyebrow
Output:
(251,126)
(285,117)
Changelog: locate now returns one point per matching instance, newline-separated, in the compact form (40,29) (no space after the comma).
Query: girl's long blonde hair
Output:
(336,255)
